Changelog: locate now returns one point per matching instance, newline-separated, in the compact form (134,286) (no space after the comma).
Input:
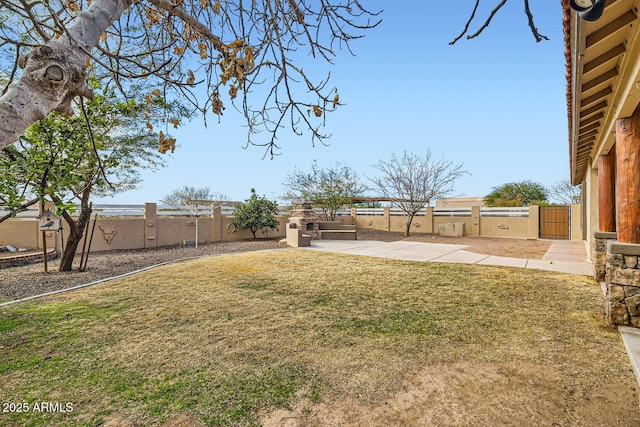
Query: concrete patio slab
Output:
(571,267)
(460,257)
(501,261)
(631,340)
(555,260)
(413,251)
(566,250)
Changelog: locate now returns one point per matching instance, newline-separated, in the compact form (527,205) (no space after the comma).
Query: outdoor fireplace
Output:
(303,217)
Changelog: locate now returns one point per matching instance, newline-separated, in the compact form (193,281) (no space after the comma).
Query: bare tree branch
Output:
(466,26)
(539,37)
(225,50)
(534,30)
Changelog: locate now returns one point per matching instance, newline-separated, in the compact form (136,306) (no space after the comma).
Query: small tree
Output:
(565,193)
(195,200)
(330,188)
(256,213)
(411,182)
(100,151)
(511,194)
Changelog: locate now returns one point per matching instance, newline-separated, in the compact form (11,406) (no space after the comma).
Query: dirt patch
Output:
(498,246)
(118,420)
(464,394)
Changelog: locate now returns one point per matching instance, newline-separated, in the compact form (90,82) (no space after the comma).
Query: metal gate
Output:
(554,222)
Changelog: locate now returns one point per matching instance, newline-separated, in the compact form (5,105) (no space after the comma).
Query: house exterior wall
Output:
(592,220)
(576,222)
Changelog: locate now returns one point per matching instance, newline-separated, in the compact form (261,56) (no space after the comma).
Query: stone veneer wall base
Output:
(623,284)
(599,255)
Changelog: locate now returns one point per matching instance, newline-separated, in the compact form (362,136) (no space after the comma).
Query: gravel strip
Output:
(29,280)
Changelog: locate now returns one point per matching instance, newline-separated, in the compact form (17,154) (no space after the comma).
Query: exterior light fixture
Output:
(589,10)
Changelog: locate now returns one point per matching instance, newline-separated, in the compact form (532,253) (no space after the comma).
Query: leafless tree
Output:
(194,198)
(411,182)
(330,188)
(212,53)
(563,192)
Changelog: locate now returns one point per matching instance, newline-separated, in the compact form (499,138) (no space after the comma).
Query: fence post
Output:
(217,223)
(534,222)
(150,225)
(475,220)
(387,219)
(429,219)
(354,216)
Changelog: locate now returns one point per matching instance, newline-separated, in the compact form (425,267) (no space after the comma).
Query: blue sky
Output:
(495,103)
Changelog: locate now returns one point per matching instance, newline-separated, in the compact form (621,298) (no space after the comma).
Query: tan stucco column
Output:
(607,192)
(534,223)
(475,221)
(628,178)
(387,219)
(429,219)
(217,223)
(150,225)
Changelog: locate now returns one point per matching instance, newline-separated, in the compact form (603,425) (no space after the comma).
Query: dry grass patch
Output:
(227,340)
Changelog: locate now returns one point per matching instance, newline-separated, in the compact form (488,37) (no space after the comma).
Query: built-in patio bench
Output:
(335,230)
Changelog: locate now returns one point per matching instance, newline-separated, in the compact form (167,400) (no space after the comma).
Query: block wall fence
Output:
(151,230)
(148,231)
(522,223)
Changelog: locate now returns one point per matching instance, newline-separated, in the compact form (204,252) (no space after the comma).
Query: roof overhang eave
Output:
(577,47)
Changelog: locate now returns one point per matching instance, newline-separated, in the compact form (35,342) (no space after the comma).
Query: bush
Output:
(256,213)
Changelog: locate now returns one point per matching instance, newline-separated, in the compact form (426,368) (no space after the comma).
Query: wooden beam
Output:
(604,58)
(585,150)
(613,26)
(595,109)
(607,192)
(628,178)
(590,127)
(585,142)
(602,78)
(589,134)
(596,96)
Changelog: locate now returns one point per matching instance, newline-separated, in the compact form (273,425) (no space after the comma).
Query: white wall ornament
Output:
(108,233)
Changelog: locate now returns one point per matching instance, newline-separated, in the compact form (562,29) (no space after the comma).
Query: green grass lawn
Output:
(218,341)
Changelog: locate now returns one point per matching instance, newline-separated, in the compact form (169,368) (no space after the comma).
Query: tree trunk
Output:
(55,73)
(76,231)
(407,226)
(74,239)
